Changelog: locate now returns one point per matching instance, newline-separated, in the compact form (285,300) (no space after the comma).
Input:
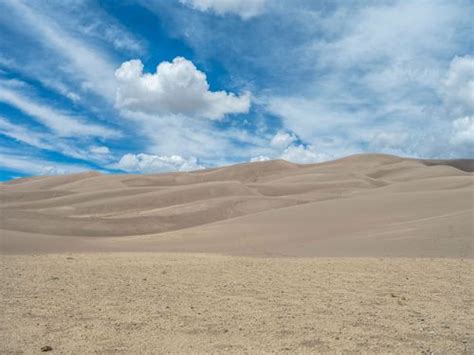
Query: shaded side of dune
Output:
(461,164)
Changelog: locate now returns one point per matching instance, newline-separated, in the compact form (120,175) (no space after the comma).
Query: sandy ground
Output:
(188,303)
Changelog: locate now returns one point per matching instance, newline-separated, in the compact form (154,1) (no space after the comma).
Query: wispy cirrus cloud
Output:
(83,66)
(243,8)
(63,124)
(83,150)
(25,135)
(25,164)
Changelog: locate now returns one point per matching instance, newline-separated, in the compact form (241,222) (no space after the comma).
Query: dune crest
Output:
(365,205)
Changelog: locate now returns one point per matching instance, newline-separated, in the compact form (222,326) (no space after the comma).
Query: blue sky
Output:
(154,86)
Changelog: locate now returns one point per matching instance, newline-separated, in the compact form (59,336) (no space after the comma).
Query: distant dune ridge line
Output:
(362,205)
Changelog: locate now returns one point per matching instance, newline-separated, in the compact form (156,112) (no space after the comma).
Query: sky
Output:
(178,85)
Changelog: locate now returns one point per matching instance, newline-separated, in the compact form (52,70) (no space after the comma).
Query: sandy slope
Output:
(364,205)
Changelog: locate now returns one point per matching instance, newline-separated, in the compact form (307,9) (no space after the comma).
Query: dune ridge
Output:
(364,205)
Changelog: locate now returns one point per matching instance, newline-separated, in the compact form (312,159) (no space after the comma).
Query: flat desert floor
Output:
(370,253)
(188,303)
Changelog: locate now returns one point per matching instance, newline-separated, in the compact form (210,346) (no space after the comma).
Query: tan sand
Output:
(365,205)
(185,303)
(371,254)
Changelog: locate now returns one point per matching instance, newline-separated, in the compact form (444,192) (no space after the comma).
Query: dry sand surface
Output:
(198,303)
(365,205)
(371,253)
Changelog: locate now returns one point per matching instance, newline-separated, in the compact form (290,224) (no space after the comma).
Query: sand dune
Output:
(364,205)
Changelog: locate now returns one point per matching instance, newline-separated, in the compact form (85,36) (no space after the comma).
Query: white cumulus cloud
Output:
(282,140)
(302,154)
(259,158)
(458,88)
(463,131)
(176,87)
(149,163)
(243,8)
